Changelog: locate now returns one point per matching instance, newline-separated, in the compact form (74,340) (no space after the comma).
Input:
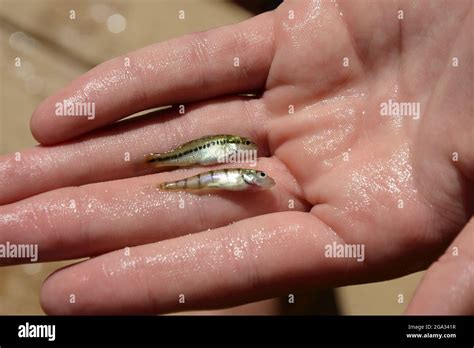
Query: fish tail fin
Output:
(166,186)
(152,158)
(146,163)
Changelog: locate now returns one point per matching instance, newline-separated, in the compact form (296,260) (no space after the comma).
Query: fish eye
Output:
(247,142)
(262,174)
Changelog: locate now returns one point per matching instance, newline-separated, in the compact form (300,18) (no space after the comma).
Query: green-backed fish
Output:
(207,151)
(235,179)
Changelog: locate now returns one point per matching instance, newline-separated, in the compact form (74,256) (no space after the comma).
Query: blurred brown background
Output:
(54,48)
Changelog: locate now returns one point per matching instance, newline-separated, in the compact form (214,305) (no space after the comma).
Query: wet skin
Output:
(343,172)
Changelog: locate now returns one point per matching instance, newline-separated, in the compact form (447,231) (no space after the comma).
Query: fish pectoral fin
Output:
(212,185)
(230,149)
(248,180)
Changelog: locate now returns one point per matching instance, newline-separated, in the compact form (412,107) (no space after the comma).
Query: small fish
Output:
(204,151)
(237,179)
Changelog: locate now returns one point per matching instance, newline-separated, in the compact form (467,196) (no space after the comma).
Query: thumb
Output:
(447,287)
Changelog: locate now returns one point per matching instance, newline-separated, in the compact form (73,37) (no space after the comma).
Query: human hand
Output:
(344,173)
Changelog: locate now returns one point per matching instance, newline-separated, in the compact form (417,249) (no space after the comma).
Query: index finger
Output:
(229,59)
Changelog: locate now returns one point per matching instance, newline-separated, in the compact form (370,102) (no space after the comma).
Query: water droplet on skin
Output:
(392,177)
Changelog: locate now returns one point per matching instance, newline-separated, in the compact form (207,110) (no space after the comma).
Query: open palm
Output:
(345,174)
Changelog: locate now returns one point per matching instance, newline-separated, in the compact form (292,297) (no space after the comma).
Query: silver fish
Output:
(235,179)
(205,151)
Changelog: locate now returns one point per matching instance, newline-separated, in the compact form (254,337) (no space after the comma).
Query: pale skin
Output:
(343,172)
